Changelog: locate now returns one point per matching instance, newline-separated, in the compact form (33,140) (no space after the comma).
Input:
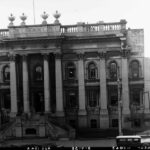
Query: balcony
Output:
(52,30)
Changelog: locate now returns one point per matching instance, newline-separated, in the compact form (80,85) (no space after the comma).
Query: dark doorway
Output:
(38,102)
(31,131)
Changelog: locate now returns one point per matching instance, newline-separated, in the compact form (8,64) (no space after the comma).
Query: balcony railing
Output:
(4,33)
(53,30)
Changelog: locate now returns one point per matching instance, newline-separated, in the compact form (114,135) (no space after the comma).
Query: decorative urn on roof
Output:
(23,18)
(11,19)
(44,16)
(56,15)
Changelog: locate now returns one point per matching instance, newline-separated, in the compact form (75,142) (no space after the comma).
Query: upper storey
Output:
(105,36)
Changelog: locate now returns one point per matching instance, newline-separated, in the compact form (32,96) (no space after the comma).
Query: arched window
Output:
(92,71)
(113,70)
(70,71)
(134,68)
(38,73)
(6,73)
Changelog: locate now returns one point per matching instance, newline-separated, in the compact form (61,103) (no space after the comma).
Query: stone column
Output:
(81,88)
(25,85)
(125,86)
(13,86)
(125,90)
(46,84)
(59,88)
(104,118)
(146,85)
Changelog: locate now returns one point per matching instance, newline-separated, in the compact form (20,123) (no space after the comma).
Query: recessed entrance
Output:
(30,131)
(38,102)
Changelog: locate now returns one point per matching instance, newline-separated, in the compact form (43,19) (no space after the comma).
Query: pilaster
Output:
(81,87)
(125,82)
(104,119)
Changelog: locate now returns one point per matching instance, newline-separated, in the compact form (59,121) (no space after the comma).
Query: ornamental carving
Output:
(80,56)
(12,57)
(102,55)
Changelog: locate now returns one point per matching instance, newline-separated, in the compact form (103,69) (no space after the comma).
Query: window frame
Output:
(68,67)
(91,71)
(135,70)
(4,71)
(35,73)
(113,74)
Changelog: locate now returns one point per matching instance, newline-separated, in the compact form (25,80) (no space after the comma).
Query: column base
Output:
(59,114)
(126,111)
(13,114)
(82,112)
(104,119)
(147,111)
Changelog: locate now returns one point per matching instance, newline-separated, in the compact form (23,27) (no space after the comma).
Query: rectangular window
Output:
(114,122)
(92,97)
(71,99)
(93,123)
(113,95)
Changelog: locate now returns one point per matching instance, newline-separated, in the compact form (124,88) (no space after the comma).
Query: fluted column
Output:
(104,120)
(59,90)
(81,85)
(13,86)
(25,85)
(46,84)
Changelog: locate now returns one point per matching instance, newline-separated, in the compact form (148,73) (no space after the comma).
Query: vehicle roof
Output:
(128,136)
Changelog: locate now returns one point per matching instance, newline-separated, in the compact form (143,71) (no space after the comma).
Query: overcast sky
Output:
(136,12)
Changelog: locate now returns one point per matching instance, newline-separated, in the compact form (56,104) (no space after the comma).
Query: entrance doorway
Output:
(38,102)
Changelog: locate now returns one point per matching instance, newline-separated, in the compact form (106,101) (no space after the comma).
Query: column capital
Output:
(24,57)
(80,55)
(125,53)
(58,55)
(45,55)
(102,55)
(12,57)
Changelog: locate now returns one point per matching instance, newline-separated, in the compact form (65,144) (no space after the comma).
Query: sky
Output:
(136,12)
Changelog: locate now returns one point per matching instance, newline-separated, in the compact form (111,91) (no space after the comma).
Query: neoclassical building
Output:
(74,74)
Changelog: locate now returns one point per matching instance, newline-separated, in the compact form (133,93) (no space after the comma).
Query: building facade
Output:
(75,73)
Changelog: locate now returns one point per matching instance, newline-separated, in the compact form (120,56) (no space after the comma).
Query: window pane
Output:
(6,74)
(70,71)
(38,73)
(92,71)
(92,96)
(113,70)
(135,69)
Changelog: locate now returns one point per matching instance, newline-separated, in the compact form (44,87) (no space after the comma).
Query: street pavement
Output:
(62,142)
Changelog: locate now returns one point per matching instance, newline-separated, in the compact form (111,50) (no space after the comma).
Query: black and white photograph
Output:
(74,74)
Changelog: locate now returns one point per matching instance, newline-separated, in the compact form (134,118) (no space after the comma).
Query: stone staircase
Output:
(36,126)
